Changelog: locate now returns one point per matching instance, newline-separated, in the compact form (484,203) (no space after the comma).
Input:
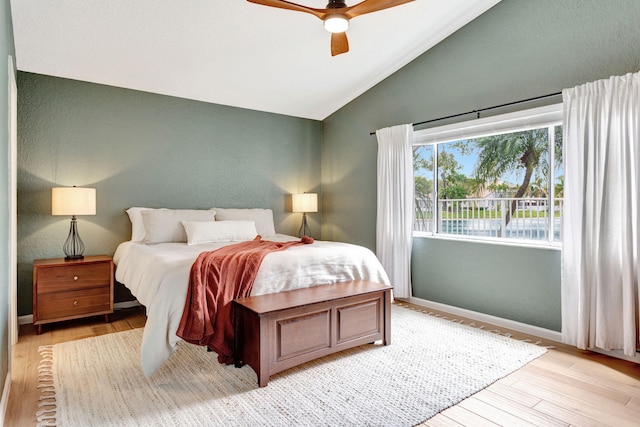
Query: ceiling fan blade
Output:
(368,6)
(339,43)
(282,4)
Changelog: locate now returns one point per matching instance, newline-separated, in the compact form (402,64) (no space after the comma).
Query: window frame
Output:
(548,116)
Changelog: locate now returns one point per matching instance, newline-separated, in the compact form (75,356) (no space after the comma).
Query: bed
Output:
(157,273)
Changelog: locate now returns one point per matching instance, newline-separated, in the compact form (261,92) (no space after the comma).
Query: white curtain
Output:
(394,228)
(601,232)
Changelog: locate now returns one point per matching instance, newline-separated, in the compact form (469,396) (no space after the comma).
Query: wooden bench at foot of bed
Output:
(278,331)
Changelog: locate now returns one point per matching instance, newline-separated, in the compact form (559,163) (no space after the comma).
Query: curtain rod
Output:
(483,109)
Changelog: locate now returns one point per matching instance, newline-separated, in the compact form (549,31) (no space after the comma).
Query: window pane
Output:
(423,187)
(455,185)
(558,187)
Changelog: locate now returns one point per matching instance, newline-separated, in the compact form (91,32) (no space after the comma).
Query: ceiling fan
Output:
(336,16)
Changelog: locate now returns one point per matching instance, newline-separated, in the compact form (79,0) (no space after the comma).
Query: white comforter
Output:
(158,276)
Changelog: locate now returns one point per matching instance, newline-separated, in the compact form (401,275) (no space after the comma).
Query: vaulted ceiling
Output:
(229,52)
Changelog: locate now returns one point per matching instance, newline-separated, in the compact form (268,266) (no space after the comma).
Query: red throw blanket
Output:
(216,279)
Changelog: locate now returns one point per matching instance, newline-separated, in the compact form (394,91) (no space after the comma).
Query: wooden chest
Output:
(278,331)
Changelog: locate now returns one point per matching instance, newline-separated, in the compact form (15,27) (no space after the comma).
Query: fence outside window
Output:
(504,217)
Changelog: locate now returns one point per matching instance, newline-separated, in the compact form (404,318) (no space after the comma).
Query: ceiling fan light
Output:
(336,23)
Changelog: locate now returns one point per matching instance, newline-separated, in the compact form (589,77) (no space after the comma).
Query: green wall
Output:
(6,49)
(505,281)
(142,149)
(516,50)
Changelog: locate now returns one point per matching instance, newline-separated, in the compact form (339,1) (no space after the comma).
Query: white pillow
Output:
(219,231)
(262,217)
(165,225)
(137,226)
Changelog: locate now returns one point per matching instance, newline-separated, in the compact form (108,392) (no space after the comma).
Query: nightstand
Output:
(64,290)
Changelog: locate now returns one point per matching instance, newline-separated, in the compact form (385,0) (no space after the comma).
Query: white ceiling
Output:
(229,52)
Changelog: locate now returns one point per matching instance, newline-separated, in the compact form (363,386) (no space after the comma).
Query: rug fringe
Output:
(46,416)
(472,324)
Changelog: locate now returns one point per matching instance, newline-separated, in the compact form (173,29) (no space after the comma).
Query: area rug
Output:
(430,365)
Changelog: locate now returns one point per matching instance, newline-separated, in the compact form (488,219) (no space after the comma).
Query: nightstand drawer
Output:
(74,303)
(63,278)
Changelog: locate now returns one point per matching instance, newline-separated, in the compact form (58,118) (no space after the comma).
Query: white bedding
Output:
(158,276)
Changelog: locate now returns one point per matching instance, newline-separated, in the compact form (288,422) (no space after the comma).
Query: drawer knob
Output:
(75,303)
(75,277)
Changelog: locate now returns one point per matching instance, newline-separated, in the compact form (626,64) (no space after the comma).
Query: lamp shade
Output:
(73,201)
(305,202)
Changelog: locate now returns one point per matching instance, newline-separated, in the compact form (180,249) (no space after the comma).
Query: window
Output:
(494,178)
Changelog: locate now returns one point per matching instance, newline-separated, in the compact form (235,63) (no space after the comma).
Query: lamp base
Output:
(304,228)
(73,248)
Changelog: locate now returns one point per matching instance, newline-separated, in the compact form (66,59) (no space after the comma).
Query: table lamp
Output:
(304,202)
(73,201)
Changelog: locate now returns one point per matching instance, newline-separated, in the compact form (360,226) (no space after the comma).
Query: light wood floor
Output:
(564,387)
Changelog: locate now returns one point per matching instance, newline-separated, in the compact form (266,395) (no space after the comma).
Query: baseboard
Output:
(513,325)
(618,354)
(27,319)
(5,398)
(487,318)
